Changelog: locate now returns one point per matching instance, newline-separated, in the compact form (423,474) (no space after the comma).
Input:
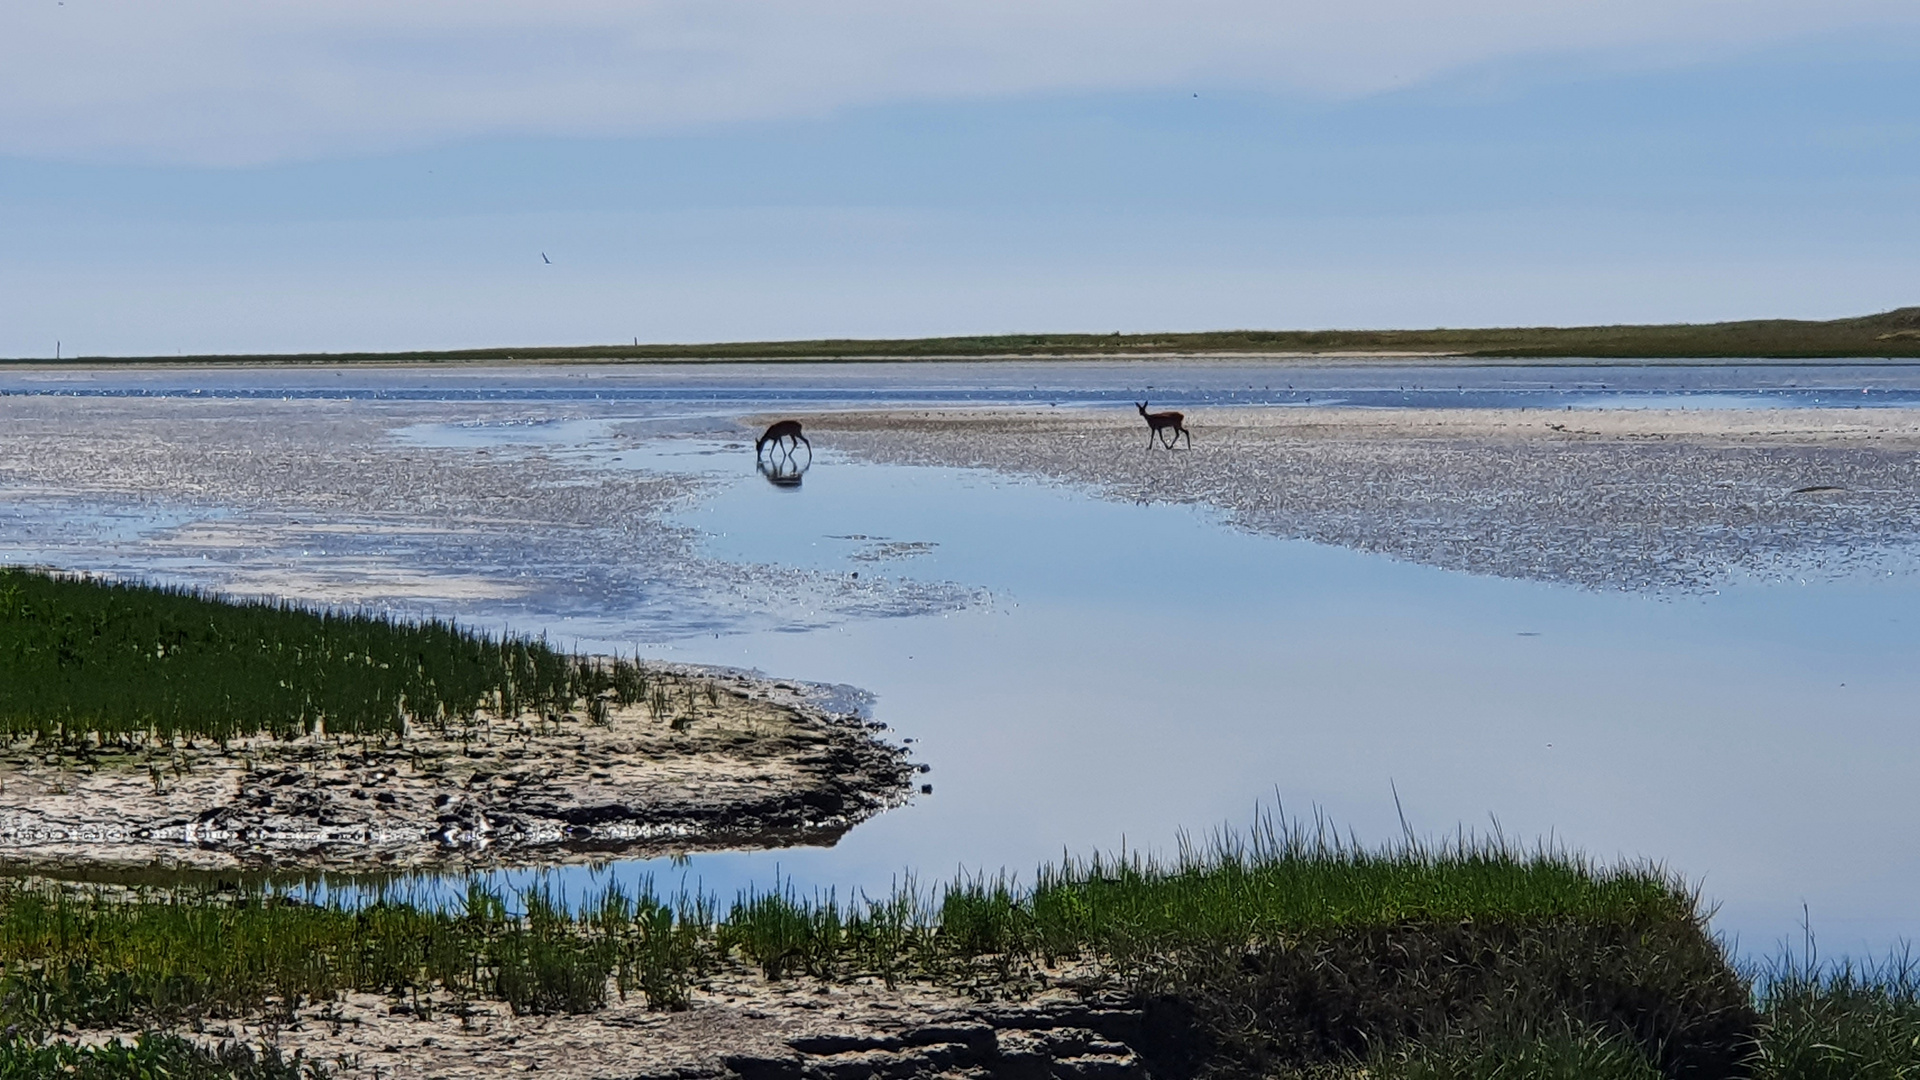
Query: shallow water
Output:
(1141,669)
(1119,672)
(681,390)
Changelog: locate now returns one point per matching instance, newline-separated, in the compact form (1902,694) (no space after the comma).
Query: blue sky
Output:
(346,182)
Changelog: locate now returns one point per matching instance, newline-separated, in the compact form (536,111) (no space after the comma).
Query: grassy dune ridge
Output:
(1890,334)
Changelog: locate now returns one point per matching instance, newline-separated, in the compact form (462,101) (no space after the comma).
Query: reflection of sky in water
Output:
(41,530)
(1142,669)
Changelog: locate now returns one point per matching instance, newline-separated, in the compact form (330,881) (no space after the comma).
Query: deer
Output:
(1159,422)
(782,431)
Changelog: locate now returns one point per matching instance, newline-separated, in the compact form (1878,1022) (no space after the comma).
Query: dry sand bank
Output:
(1626,499)
(730,760)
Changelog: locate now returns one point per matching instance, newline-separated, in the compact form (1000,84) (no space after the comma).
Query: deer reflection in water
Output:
(784,471)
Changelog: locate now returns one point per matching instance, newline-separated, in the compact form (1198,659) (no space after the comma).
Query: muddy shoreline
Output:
(721,759)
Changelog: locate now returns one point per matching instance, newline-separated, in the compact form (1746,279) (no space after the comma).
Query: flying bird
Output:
(544,259)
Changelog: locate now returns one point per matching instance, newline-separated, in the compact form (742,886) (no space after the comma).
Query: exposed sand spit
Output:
(1613,499)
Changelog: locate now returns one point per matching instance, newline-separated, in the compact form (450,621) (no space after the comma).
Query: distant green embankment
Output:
(1892,334)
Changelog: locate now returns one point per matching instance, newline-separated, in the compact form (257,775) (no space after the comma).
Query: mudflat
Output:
(1620,499)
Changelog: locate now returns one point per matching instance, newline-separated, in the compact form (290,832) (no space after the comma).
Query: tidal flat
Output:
(1625,499)
(1602,624)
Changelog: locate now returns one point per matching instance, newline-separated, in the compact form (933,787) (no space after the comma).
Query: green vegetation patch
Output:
(84,656)
(148,1056)
(1289,951)
(1839,1022)
(1291,957)
(102,959)
(1291,948)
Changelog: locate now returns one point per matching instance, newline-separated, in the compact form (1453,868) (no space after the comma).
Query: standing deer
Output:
(1159,422)
(784,430)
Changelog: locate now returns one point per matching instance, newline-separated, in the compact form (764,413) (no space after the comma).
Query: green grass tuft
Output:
(1839,1023)
(149,1056)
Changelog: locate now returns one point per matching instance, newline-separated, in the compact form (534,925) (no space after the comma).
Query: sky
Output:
(238,175)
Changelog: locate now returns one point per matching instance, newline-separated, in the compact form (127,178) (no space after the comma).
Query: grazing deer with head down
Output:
(782,431)
(1159,422)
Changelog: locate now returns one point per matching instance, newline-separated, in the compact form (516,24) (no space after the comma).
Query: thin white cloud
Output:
(234,81)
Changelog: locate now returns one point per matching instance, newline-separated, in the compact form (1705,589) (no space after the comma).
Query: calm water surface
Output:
(1129,671)
(1141,669)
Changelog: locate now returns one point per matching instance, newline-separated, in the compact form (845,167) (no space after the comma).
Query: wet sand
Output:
(728,761)
(1615,499)
(328,502)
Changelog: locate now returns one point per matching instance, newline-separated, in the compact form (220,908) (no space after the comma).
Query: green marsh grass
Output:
(1282,947)
(127,661)
(149,1056)
(1284,952)
(1838,1022)
(97,957)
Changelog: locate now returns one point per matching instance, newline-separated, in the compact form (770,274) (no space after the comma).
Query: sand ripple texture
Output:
(1628,499)
(320,500)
